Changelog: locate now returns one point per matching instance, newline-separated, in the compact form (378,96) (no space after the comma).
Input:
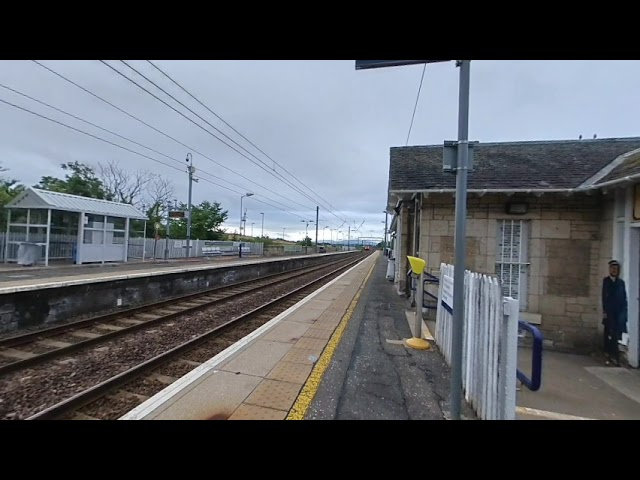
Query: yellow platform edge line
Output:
(310,388)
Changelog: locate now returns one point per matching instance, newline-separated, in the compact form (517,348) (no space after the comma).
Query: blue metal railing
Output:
(535,381)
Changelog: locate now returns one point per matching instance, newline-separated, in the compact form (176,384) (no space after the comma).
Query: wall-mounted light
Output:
(517,208)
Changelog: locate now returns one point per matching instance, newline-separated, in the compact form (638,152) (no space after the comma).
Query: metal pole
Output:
(28,223)
(127,228)
(241,214)
(244,221)
(78,259)
(6,245)
(460,240)
(144,240)
(283,233)
(104,237)
(252,224)
(167,236)
(46,249)
(317,215)
(419,304)
(262,233)
(386,222)
(190,164)
(349,239)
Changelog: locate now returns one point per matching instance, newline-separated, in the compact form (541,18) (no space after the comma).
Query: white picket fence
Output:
(490,344)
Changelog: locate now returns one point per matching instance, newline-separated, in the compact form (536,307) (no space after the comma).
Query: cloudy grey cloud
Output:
(326,123)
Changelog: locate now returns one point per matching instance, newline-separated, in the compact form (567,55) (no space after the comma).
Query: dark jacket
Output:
(614,304)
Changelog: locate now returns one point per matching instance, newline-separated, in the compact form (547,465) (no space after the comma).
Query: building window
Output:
(512,262)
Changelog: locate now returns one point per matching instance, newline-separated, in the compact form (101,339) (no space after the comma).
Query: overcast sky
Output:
(327,124)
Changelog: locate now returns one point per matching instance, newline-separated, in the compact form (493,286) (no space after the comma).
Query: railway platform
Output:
(33,297)
(22,279)
(337,354)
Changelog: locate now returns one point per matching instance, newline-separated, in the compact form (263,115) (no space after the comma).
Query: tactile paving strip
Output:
(300,355)
(290,372)
(274,394)
(254,412)
(315,344)
(324,334)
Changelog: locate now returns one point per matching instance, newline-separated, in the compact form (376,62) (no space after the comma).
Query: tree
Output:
(81,180)
(145,190)
(306,242)
(205,224)
(159,192)
(124,186)
(9,189)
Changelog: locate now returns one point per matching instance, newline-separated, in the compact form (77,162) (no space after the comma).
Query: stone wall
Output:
(569,247)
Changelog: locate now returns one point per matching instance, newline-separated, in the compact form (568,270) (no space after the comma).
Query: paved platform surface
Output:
(577,387)
(14,279)
(262,376)
(373,376)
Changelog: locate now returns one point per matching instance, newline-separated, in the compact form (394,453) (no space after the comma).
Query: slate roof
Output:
(537,165)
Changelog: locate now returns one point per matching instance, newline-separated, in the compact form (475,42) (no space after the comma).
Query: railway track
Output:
(151,352)
(32,348)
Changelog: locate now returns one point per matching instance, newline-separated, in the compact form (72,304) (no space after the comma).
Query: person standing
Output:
(614,312)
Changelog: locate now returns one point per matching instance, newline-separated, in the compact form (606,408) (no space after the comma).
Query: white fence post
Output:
(490,344)
(509,352)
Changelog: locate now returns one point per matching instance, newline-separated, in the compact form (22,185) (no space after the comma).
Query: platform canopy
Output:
(35,198)
(98,230)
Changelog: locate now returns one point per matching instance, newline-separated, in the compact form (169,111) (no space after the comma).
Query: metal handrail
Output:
(429,279)
(535,381)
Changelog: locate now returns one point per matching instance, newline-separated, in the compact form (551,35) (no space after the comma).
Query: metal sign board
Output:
(176,214)
(450,156)
(369,64)
(447,293)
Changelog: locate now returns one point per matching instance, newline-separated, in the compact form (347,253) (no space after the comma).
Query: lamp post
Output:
(262,232)
(306,231)
(283,229)
(191,170)
(241,216)
(252,224)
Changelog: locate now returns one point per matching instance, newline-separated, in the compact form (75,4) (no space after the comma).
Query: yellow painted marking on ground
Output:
(310,388)
(549,415)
